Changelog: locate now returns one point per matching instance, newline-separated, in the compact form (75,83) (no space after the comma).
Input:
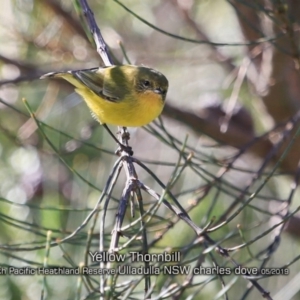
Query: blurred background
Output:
(229,134)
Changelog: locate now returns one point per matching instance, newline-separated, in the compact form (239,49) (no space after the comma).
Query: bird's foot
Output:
(124,148)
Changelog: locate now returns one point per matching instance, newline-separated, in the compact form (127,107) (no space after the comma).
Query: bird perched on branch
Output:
(125,95)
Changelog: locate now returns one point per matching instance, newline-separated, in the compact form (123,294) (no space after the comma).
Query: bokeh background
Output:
(232,108)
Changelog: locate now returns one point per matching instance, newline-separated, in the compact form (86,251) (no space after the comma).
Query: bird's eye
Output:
(146,83)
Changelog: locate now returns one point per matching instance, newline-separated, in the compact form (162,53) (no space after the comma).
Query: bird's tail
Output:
(70,76)
(87,78)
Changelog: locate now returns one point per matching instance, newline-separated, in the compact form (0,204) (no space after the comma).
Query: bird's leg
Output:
(122,147)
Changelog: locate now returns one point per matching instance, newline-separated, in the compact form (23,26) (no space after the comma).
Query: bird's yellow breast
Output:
(133,111)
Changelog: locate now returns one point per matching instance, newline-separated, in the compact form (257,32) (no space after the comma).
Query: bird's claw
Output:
(124,148)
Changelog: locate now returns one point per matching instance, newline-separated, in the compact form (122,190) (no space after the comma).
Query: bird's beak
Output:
(158,91)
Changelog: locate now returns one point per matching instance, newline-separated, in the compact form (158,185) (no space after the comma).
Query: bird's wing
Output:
(117,84)
(94,80)
(90,79)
